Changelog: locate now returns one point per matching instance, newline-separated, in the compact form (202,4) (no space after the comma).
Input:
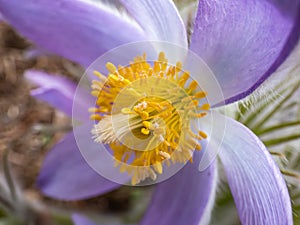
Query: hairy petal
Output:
(258,188)
(159,19)
(80,30)
(185,198)
(243,41)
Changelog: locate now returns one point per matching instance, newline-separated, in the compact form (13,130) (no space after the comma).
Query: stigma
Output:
(147,112)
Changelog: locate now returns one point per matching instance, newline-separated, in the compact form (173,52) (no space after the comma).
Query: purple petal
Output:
(59,92)
(159,19)
(258,188)
(244,42)
(66,175)
(78,30)
(186,198)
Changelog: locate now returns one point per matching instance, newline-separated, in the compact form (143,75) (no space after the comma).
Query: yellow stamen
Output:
(144,112)
(111,67)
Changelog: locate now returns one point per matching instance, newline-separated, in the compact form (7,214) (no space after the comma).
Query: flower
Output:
(243,42)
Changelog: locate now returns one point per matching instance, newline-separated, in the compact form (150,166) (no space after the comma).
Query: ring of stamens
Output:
(145,112)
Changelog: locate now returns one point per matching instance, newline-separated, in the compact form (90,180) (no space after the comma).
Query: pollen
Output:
(146,113)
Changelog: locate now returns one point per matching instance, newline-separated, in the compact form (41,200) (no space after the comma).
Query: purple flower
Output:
(242,41)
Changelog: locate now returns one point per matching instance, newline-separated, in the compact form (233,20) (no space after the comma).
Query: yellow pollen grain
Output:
(111,67)
(202,134)
(145,131)
(95,117)
(147,124)
(200,94)
(205,106)
(193,85)
(165,154)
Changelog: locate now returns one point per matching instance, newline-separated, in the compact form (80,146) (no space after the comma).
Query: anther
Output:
(111,67)
(165,154)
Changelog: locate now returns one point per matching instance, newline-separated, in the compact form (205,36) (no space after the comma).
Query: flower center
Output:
(146,112)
